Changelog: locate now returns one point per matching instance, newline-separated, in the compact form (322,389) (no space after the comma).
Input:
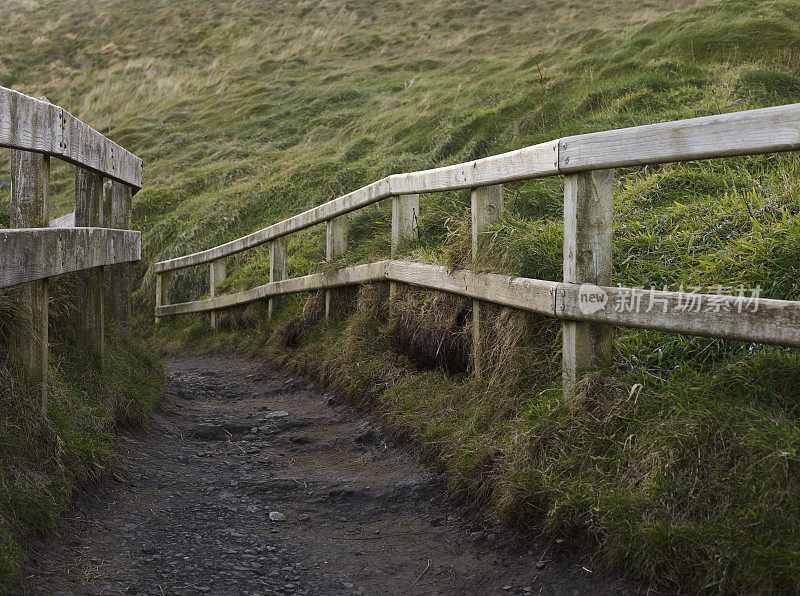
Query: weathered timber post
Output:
(218,270)
(277,268)
(88,206)
(120,204)
(588,238)
(335,246)
(105,205)
(162,290)
(486,207)
(30,190)
(105,221)
(405,224)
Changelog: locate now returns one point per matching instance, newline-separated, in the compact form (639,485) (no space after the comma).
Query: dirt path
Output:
(190,505)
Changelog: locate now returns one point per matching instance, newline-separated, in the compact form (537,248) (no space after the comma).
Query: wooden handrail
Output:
(584,300)
(751,132)
(33,251)
(40,253)
(30,124)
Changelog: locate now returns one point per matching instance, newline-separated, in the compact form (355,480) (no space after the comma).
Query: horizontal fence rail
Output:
(94,240)
(743,133)
(30,124)
(731,317)
(31,254)
(584,299)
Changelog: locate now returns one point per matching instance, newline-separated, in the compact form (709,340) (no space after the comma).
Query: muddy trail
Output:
(252,481)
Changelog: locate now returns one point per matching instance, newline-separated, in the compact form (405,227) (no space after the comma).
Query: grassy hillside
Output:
(681,461)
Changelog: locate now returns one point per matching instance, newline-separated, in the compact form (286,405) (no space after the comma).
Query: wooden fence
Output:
(583,299)
(95,239)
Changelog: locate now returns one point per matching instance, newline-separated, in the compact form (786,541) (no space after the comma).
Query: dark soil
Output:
(189,504)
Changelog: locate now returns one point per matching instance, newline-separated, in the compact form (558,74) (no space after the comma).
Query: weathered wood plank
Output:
(84,146)
(588,236)
(278,258)
(750,132)
(88,213)
(744,318)
(335,246)
(531,162)
(405,219)
(121,282)
(533,295)
(105,222)
(536,161)
(336,208)
(767,130)
(336,237)
(29,124)
(486,207)
(729,317)
(32,254)
(528,294)
(30,202)
(405,225)
(309,283)
(162,292)
(30,190)
(218,271)
(34,125)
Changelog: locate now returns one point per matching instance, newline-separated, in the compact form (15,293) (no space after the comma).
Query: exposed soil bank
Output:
(188,510)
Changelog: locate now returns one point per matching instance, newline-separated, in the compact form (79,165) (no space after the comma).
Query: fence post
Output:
(88,207)
(277,269)
(405,224)
(105,221)
(30,189)
(120,218)
(105,205)
(162,290)
(335,246)
(588,239)
(486,207)
(217,271)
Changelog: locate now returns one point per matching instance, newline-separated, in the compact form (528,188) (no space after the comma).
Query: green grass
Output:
(681,461)
(48,454)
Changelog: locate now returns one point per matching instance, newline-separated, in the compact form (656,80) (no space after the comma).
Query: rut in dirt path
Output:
(254,482)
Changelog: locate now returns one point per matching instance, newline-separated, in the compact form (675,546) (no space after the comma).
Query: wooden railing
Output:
(583,299)
(101,246)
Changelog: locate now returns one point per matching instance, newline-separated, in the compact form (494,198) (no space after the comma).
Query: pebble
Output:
(277,516)
(276,414)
